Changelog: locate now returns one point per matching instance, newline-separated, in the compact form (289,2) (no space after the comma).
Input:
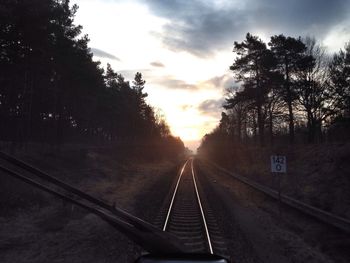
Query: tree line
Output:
(51,89)
(287,87)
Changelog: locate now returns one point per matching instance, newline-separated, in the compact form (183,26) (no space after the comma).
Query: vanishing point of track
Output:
(189,217)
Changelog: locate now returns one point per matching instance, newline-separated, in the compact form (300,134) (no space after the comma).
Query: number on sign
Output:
(278,164)
(278,159)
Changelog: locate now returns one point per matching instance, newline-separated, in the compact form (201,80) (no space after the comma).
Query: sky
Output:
(184,48)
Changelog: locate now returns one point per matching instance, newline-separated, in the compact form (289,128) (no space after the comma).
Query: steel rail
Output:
(173,197)
(197,199)
(202,212)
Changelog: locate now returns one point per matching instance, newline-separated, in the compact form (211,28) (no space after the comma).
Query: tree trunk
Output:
(271,126)
(239,126)
(254,130)
(310,127)
(291,122)
(258,105)
(260,126)
(290,106)
(245,136)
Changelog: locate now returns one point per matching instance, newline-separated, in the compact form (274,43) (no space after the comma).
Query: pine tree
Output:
(253,67)
(288,51)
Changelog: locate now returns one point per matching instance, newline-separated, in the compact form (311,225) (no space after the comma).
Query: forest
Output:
(289,91)
(52,91)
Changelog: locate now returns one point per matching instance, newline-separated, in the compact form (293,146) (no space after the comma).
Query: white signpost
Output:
(279,165)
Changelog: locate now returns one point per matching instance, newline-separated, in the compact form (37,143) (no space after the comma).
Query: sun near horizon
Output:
(185,56)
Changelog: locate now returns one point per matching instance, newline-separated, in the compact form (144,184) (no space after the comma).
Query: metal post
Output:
(279,197)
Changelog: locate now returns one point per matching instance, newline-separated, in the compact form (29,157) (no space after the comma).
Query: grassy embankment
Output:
(36,227)
(316,174)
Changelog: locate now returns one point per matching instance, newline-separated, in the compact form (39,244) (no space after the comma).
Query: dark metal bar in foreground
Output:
(146,235)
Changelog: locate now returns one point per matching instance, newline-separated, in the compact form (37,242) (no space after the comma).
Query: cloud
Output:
(171,83)
(157,64)
(129,74)
(204,27)
(186,107)
(211,107)
(103,54)
(220,83)
(224,81)
(201,31)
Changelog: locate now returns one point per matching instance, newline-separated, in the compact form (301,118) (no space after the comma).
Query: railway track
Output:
(188,216)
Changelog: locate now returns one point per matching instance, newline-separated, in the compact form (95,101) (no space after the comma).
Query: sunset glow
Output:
(184,56)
